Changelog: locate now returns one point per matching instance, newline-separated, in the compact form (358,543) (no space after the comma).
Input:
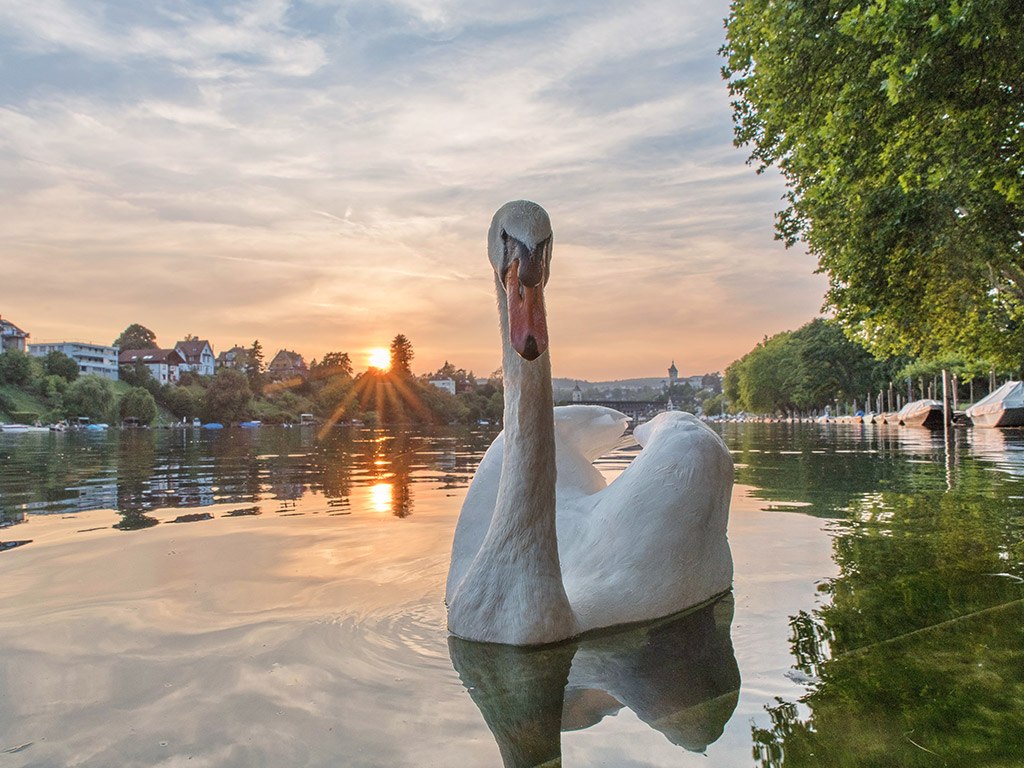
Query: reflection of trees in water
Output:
(43,473)
(787,462)
(678,675)
(136,471)
(919,655)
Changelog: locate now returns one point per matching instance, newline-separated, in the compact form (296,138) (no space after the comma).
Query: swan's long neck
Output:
(513,592)
(526,492)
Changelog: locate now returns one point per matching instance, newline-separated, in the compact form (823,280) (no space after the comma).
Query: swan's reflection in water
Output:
(678,675)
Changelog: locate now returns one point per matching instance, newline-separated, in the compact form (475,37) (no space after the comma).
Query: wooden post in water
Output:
(947,411)
(947,428)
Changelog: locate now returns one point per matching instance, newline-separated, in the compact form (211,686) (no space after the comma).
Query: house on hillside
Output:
(236,357)
(287,365)
(448,385)
(97,359)
(198,356)
(11,336)
(162,363)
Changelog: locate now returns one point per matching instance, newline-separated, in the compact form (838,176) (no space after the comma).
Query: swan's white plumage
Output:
(535,560)
(651,543)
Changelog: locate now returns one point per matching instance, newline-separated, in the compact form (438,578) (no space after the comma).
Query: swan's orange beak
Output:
(527,320)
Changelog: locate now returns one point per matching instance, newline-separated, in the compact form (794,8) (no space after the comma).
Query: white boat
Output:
(13,427)
(921,413)
(1004,407)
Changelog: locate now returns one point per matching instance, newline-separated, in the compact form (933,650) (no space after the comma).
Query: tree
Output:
(228,397)
(401,355)
(804,369)
(897,128)
(137,374)
(58,364)
(182,402)
(136,336)
(254,368)
(333,364)
(15,367)
(91,396)
(463,379)
(139,404)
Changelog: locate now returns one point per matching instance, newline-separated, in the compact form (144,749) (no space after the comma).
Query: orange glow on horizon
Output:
(379,358)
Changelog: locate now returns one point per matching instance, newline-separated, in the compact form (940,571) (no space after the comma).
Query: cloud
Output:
(315,174)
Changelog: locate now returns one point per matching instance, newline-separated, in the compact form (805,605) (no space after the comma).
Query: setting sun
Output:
(380,358)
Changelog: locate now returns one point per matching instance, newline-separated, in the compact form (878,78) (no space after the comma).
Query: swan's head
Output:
(519,247)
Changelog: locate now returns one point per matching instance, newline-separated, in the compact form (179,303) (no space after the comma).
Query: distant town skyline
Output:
(322,177)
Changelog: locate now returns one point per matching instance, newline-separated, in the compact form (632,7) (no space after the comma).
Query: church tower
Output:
(577,393)
(673,373)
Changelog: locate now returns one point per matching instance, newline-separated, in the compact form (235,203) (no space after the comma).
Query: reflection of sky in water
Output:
(141,471)
(297,619)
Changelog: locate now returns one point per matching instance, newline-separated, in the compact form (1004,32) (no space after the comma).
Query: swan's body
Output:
(651,543)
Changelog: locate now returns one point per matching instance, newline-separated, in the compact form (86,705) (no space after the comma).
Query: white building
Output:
(448,385)
(91,358)
(198,356)
(162,363)
(11,336)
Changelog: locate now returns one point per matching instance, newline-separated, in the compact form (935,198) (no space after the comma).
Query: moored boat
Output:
(1003,407)
(921,413)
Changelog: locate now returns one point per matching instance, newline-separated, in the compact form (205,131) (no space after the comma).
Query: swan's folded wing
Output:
(655,540)
(591,430)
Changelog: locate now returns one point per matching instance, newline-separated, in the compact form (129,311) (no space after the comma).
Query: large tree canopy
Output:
(804,369)
(136,336)
(899,127)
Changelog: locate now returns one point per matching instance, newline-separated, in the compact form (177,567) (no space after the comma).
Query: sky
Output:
(321,176)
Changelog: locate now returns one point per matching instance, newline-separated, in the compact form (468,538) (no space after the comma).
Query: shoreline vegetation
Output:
(50,390)
(792,375)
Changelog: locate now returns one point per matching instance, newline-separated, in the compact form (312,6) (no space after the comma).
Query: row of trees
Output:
(804,370)
(58,392)
(332,390)
(898,129)
(818,365)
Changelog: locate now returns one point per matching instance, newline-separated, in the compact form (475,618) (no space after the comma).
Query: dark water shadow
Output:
(679,675)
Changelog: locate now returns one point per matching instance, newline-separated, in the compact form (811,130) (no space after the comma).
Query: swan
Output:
(544,549)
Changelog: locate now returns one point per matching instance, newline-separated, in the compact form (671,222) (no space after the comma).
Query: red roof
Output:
(150,356)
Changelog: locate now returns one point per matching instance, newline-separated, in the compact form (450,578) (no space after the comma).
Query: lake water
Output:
(264,598)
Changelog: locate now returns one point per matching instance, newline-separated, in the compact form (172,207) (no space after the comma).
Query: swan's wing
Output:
(582,434)
(592,430)
(477,510)
(654,541)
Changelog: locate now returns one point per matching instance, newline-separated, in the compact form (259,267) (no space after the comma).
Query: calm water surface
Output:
(264,598)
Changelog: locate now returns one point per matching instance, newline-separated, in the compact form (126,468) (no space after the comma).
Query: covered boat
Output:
(1004,407)
(921,413)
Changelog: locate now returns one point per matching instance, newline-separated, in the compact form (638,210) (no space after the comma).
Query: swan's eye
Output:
(504,236)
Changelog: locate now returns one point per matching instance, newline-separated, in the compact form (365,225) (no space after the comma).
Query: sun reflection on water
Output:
(381,496)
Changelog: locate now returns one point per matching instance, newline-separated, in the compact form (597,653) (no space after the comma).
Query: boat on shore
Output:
(921,413)
(1003,407)
(22,428)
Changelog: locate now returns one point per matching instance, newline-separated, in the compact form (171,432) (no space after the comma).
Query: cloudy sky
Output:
(321,175)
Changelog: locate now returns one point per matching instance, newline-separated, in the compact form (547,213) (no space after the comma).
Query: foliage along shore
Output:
(49,390)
